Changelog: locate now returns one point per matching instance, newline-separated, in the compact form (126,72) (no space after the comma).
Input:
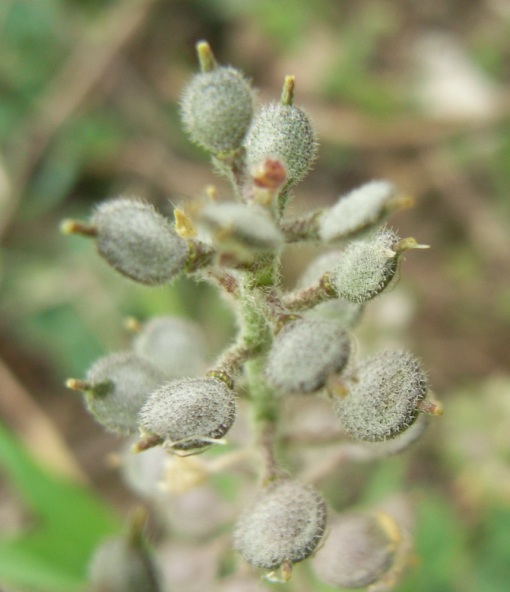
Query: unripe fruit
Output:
(305,352)
(189,413)
(381,400)
(121,565)
(358,551)
(366,268)
(286,523)
(359,209)
(285,133)
(176,346)
(138,242)
(236,226)
(217,108)
(119,384)
(345,312)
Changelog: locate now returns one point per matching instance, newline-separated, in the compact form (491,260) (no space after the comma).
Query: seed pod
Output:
(190,413)
(361,208)
(381,400)
(176,346)
(305,352)
(285,133)
(347,313)
(366,268)
(116,388)
(358,551)
(238,226)
(138,242)
(285,524)
(217,108)
(122,565)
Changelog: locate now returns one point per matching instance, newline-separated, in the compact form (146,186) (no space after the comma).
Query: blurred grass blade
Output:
(69,521)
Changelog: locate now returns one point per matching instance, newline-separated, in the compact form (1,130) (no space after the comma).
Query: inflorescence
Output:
(164,393)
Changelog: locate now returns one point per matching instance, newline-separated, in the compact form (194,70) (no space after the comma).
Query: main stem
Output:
(257,336)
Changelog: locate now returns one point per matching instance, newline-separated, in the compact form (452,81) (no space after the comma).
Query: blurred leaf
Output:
(69,523)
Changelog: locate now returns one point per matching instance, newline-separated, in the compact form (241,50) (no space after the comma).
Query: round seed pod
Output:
(401,442)
(358,551)
(238,225)
(189,413)
(347,313)
(381,399)
(305,352)
(366,268)
(176,346)
(285,133)
(120,565)
(120,385)
(217,108)
(138,242)
(358,210)
(286,523)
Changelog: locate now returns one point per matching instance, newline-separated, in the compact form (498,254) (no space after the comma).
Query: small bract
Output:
(138,241)
(190,413)
(120,384)
(382,396)
(286,523)
(305,352)
(366,268)
(358,210)
(358,551)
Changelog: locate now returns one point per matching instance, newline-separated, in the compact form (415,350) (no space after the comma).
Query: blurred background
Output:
(415,92)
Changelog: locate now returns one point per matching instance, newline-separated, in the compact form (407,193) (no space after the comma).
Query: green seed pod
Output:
(381,400)
(117,386)
(305,352)
(285,133)
(347,313)
(138,242)
(238,226)
(121,565)
(401,442)
(190,413)
(217,108)
(358,210)
(358,551)
(176,346)
(285,524)
(366,268)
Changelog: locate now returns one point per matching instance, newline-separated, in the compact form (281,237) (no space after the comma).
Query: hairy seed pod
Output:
(285,133)
(241,226)
(401,442)
(347,313)
(120,383)
(358,551)
(217,108)
(305,352)
(366,268)
(121,565)
(381,398)
(138,242)
(358,210)
(176,346)
(286,523)
(189,413)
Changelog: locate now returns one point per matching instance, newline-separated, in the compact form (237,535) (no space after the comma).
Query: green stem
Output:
(257,336)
